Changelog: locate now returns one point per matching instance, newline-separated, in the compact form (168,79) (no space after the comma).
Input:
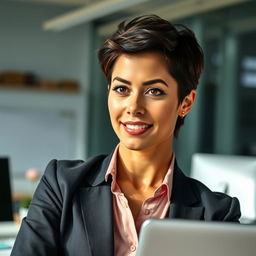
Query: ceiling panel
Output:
(62,2)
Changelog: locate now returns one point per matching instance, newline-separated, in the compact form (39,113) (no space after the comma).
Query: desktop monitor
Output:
(233,175)
(6,212)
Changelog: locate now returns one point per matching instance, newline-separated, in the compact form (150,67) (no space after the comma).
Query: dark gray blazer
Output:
(71,212)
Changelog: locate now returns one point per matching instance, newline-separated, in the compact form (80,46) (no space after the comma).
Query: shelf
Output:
(40,99)
(36,88)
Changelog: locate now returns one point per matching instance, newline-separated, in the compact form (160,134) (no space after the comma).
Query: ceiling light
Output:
(88,13)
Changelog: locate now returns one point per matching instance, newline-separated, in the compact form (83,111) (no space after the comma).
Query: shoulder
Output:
(67,175)
(217,205)
(62,169)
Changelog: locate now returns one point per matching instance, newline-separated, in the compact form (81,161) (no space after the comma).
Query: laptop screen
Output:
(6,211)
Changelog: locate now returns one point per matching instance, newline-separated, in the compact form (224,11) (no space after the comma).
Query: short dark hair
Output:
(151,33)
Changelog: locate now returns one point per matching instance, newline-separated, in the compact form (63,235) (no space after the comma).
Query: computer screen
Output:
(233,175)
(6,212)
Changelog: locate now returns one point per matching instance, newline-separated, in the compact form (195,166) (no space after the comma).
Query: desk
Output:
(8,232)
(5,252)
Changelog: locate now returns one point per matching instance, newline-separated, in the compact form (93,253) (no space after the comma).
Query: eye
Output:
(155,92)
(122,90)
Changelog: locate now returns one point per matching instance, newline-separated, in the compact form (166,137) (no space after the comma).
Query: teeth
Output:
(136,127)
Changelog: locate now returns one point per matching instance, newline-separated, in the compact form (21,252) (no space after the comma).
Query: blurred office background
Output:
(61,111)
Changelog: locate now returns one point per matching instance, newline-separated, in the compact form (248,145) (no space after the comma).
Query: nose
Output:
(135,105)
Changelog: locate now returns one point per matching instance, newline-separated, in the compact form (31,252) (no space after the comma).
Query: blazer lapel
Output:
(97,211)
(184,202)
(96,205)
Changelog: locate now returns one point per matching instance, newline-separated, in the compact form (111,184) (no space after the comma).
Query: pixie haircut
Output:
(146,33)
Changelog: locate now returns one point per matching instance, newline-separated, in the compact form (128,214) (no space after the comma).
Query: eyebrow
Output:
(122,80)
(155,81)
(150,82)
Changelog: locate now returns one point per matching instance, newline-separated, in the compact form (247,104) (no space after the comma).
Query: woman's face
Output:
(143,101)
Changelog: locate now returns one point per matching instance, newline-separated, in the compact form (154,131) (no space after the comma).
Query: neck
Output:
(144,168)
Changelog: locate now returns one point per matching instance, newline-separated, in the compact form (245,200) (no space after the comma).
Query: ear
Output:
(187,104)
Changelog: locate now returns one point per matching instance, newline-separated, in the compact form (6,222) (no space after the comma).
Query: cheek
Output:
(113,107)
(166,114)
(167,108)
(110,107)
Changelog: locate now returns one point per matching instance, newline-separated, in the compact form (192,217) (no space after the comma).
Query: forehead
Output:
(147,63)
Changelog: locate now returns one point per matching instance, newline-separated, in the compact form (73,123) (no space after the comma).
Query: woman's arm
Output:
(40,231)
(234,212)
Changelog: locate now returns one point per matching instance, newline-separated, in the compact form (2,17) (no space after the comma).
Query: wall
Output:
(24,46)
(221,121)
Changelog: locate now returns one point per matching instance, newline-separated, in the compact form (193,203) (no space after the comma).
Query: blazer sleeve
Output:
(233,213)
(220,207)
(217,206)
(39,232)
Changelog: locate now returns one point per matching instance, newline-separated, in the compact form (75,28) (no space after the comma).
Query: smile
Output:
(136,128)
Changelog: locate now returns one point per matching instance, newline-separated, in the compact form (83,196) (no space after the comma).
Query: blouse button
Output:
(133,248)
(146,211)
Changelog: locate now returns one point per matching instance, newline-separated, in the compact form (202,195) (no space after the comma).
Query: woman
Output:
(97,207)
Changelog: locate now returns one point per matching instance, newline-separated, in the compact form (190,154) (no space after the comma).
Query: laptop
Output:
(196,238)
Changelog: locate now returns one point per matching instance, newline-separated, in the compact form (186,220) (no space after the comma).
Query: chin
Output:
(136,145)
(134,148)
(132,145)
(146,144)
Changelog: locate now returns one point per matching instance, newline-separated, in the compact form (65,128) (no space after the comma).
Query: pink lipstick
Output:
(136,128)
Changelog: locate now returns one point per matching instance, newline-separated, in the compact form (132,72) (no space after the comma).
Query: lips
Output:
(136,128)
